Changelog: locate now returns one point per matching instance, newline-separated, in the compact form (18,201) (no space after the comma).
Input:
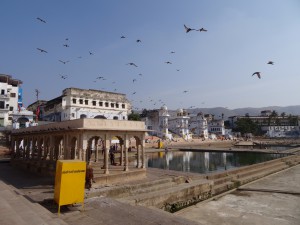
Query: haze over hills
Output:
(217,111)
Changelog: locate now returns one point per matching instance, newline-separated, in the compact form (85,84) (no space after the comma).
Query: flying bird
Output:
(185,91)
(140,74)
(257,74)
(64,62)
(172,52)
(271,63)
(132,64)
(91,53)
(168,62)
(100,78)
(63,77)
(178,70)
(187,29)
(134,80)
(123,37)
(43,21)
(202,29)
(138,40)
(41,50)
(134,93)
(65,45)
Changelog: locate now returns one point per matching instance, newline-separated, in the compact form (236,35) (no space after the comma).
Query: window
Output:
(123,106)
(115,118)
(7,106)
(117,105)
(94,103)
(100,103)
(73,115)
(2,92)
(112,105)
(10,118)
(80,101)
(86,102)
(11,108)
(12,95)
(74,100)
(1,104)
(106,104)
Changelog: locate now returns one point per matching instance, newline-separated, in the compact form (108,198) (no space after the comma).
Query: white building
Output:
(216,127)
(283,131)
(22,118)
(180,124)
(157,122)
(75,103)
(198,125)
(9,98)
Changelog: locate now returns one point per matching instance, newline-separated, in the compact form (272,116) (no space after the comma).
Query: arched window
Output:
(116,118)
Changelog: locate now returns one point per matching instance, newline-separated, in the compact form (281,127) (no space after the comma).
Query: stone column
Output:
(126,144)
(138,155)
(122,155)
(96,150)
(107,142)
(143,154)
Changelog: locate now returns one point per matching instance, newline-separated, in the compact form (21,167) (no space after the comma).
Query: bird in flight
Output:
(43,21)
(91,53)
(66,45)
(257,74)
(271,63)
(172,52)
(100,78)
(168,62)
(63,77)
(41,50)
(134,93)
(178,70)
(202,29)
(140,74)
(132,64)
(134,80)
(64,62)
(187,29)
(123,37)
(138,40)
(185,91)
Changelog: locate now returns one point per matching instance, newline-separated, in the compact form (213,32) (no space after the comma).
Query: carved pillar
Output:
(96,149)
(143,154)
(107,142)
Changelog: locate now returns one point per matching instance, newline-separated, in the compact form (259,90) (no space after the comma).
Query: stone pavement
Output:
(271,200)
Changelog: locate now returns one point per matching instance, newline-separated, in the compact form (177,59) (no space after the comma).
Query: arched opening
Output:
(22,121)
(100,117)
(95,146)
(82,116)
(115,118)
(74,149)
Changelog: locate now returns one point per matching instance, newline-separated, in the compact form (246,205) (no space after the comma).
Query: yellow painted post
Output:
(69,182)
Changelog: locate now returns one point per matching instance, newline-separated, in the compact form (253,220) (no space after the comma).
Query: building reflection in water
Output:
(204,162)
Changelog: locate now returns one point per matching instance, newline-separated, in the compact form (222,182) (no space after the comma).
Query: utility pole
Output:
(37,94)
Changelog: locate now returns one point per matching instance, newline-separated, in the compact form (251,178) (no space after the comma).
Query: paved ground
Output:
(272,200)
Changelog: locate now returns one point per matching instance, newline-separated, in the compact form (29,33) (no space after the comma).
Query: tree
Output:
(134,116)
(246,125)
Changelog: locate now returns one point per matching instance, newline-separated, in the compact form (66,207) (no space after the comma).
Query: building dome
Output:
(164,108)
(180,111)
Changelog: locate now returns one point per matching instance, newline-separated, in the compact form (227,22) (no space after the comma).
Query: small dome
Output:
(164,108)
(180,111)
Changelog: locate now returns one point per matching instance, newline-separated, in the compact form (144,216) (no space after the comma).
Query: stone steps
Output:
(16,209)
(183,192)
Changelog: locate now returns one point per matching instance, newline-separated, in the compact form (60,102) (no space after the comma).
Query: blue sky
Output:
(215,67)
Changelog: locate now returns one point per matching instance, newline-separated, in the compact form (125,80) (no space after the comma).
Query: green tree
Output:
(246,125)
(134,116)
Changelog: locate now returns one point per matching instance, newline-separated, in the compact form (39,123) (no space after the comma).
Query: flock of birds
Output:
(134,80)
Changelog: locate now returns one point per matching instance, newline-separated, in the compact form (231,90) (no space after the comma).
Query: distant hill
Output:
(217,111)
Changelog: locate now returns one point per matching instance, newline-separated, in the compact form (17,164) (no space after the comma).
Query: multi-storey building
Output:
(10,98)
(216,127)
(75,103)
(198,125)
(180,124)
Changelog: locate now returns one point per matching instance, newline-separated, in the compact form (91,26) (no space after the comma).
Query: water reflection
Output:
(205,162)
